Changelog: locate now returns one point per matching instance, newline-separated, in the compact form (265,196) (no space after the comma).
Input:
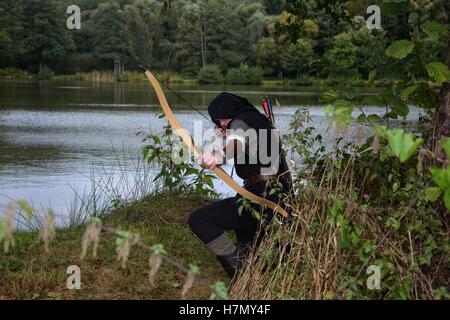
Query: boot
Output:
(233,262)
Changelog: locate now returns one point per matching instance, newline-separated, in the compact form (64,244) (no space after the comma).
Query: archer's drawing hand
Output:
(221,132)
(210,160)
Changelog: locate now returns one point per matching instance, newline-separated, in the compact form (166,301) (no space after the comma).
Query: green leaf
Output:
(400,49)
(344,238)
(380,131)
(26,208)
(241,210)
(434,29)
(220,291)
(392,222)
(330,96)
(447,199)
(438,71)
(158,249)
(361,119)
(343,110)
(441,177)
(392,115)
(193,270)
(334,210)
(121,236)
(373,101)
(373,118)
(257,215)
(395,187)
(445,144)
(402,144)
(433,193)
(408,91)
(400,108)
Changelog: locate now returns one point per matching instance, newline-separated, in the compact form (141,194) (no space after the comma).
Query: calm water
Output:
(54,137)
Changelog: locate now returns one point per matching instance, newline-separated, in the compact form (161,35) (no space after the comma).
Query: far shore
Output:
(173,78)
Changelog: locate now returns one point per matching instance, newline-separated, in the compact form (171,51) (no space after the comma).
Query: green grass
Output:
(28,273)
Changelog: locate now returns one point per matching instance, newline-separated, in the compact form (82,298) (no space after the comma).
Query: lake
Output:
(59,139)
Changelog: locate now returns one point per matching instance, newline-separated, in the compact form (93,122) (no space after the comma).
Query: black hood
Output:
(230,106)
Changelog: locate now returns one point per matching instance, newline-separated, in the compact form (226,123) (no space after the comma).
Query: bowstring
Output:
(183,99)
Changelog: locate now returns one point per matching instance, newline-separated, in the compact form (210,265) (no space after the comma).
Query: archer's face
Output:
(223,124)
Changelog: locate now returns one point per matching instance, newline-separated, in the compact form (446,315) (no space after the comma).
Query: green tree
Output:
(143,18)
(355,53)
(5,44)
(225,34)
(191,39)
(255,28)
(38,33)
(267,55)
(256,21)
(210,32)
(111,39)
(330,16)
(298,58)
(168,50)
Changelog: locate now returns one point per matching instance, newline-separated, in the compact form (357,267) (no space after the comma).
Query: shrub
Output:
(14,73)
(169,77)
(304,80)
(175,172)
(245,75)
(210,74)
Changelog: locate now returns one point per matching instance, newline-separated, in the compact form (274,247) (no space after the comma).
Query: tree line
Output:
(207,38)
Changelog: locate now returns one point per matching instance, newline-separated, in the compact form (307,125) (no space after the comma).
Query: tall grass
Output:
(129,178)
(336,234)
(109,77)
(359,208)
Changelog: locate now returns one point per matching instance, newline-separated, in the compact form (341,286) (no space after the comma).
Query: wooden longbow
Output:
(187,139)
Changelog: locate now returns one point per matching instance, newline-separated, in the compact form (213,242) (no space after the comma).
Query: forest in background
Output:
(213,40)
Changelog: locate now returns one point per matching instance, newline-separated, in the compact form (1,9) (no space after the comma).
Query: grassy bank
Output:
(93,76)
(28,273)
(173,78)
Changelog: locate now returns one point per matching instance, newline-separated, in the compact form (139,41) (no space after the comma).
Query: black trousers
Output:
(209,222)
